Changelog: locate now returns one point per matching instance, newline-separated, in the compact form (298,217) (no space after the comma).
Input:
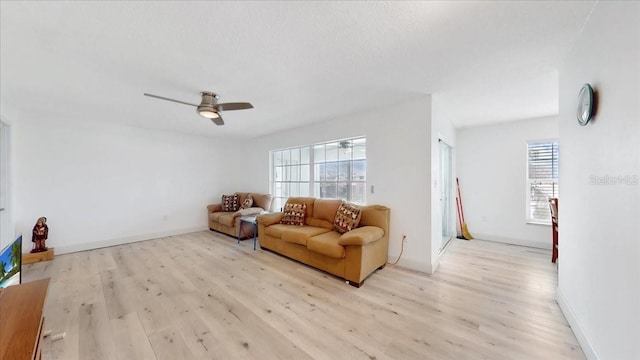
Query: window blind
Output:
(542,179)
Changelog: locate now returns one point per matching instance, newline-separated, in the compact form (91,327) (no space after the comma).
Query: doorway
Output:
(446,186)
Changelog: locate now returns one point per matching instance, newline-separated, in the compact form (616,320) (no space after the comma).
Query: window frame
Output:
(555,169)
(313,158)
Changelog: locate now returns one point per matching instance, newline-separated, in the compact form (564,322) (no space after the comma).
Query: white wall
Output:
(398,164)
(492,168)
(103,184)
(6,220)
(599,254)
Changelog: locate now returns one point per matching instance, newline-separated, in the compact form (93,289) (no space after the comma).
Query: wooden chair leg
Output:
(554,249)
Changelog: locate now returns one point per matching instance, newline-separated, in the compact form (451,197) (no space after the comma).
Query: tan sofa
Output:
(352,255)
(227,222)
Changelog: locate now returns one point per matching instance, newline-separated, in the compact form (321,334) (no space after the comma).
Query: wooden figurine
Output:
(40,234)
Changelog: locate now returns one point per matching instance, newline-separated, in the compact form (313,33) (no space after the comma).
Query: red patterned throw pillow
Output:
(230,202)
(294,214)
(347,218)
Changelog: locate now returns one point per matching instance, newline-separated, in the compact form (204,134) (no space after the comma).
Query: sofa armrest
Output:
(361,236)
(269,219)
(214,208)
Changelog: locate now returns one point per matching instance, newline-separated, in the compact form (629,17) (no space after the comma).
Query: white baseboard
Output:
(502,239)
(125,240)
(573,321)
(435,264)
(422,267)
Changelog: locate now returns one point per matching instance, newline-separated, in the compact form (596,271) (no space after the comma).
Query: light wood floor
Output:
(202,296)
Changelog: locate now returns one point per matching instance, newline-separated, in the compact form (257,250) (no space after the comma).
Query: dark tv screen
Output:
(11,264)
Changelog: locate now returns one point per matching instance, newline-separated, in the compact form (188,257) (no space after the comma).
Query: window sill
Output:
(534,222)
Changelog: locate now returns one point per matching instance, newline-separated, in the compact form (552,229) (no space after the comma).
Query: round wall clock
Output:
(585,105)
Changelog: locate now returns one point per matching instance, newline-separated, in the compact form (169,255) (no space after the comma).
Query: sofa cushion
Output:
(230,202)
(375,215)
(214,208)
(325,209)
(301,234)
(327,244)
(247,203)
(226,218)
(276,230)
(347,217)
(294,214)
(215,216)
(262,200)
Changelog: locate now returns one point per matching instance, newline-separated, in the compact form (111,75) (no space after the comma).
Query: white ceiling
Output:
(296,62)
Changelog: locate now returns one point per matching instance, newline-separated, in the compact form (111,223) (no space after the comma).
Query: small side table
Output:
(249,220)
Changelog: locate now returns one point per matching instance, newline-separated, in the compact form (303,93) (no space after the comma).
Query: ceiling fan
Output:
(209,106)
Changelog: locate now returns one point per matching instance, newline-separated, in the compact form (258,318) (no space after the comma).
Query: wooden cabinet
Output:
(21,320)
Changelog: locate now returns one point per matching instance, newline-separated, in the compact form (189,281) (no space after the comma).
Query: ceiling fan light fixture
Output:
(208,112)
(209,107)
(345,144)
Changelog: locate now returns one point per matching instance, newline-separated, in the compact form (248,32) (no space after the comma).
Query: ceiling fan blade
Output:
(218,121)
(234,106)
(164,98)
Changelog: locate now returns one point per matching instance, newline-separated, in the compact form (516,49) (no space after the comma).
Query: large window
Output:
(542,179)
(336,169)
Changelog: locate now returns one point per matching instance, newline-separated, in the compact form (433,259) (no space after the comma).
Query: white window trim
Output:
(311,182)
